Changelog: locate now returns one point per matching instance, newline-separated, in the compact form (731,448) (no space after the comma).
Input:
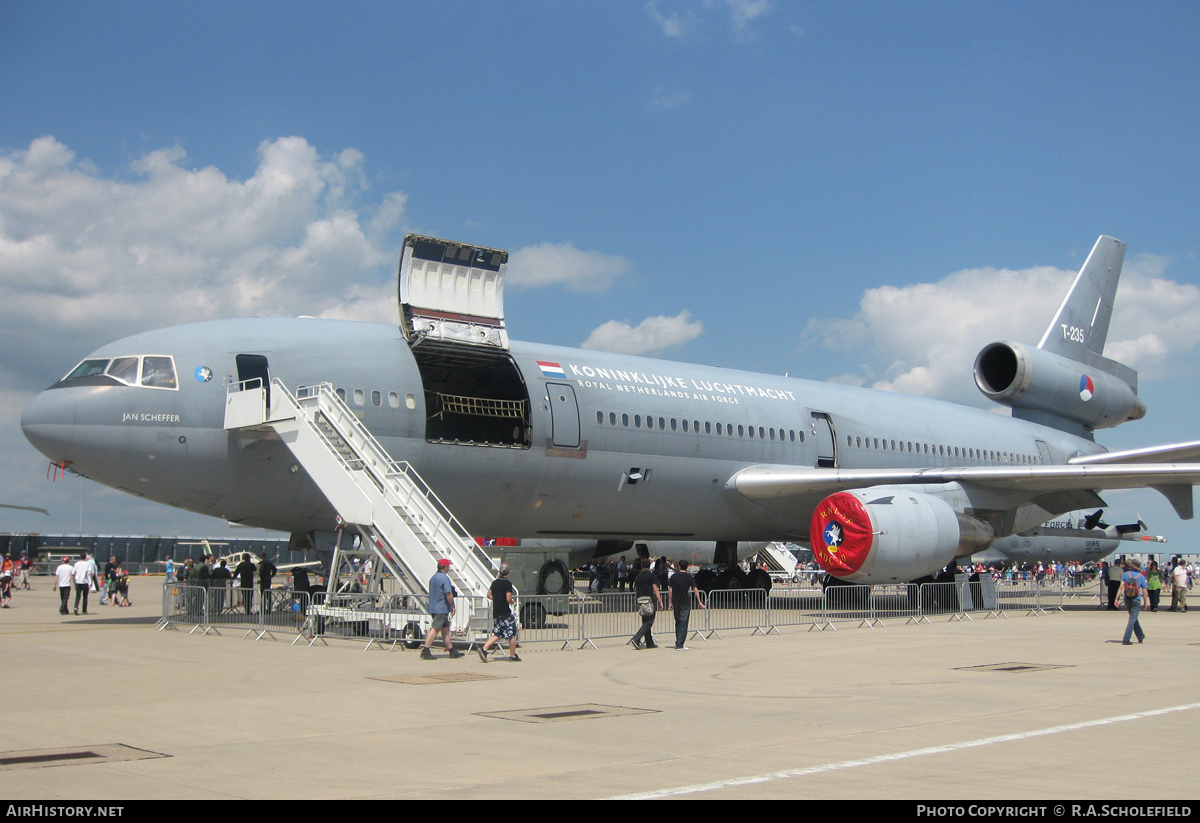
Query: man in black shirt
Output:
(244,572)
(681,587)
(504,622)
(649,601)
(266,570)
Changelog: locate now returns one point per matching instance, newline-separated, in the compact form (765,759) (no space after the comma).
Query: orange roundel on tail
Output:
(841,534)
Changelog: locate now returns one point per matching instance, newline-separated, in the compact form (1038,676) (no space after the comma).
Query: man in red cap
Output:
(441,608)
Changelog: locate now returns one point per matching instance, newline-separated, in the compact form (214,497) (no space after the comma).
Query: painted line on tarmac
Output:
(888,758)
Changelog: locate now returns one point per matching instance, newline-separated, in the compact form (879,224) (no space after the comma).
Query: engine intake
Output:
(891,535)
(1040,381)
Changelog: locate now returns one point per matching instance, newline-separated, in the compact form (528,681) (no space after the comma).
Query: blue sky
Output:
(865,192)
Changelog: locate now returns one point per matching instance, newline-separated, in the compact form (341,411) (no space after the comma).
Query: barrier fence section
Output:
(732,609)
(575,621)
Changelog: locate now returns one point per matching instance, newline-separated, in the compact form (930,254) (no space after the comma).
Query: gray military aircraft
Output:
(543,442)
(1081,536)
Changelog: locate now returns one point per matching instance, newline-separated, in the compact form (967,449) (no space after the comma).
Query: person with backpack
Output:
(1135,595)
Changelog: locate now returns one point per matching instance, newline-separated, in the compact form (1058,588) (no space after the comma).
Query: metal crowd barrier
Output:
(576,620)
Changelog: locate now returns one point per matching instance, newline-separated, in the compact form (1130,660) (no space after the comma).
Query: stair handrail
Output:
(437,513)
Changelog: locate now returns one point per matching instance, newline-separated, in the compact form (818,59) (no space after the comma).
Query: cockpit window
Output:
(124,369)
(88,368)
(158,372)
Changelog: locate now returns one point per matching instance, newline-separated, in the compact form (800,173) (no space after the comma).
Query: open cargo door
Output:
(452,292)
(452,315)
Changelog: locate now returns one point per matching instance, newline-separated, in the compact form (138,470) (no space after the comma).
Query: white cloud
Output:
(651,336)
(922,339)
(743,14)
(663,98)
(561,264)
(672,24)
(85,258)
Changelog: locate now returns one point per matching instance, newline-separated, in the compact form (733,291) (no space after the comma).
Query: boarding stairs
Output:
(402,524)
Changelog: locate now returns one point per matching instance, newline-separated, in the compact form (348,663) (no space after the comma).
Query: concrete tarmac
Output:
(899,712)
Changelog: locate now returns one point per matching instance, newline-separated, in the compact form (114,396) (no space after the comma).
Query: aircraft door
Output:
(254,367)
(822,429)
(564,415)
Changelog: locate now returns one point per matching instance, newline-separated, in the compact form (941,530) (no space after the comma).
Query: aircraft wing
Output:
(1168,453)
(1174,481)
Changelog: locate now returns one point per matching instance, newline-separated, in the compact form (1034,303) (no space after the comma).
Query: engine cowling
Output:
(1041,381)
(891,535)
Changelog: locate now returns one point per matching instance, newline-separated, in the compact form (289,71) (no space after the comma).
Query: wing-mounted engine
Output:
(891,535)
(1040,384)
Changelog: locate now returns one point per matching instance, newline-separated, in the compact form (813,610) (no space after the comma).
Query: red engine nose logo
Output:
(841,534)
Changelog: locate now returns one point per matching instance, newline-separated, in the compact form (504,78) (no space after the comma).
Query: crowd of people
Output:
(83,577)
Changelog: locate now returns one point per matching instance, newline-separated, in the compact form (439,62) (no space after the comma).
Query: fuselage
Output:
(610,446)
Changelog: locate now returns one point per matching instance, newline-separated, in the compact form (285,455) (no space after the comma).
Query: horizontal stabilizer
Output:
(1168,453)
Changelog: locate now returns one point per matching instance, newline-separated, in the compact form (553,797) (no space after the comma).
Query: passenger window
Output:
(696,426)
(410,402)
(600,417)
(376,399)
(662,423)
(637,421)
(673,426)
(649,422)
(612,418)
(625,420)
(360,398)
(718,428)
(708,427)
(158,372)
(800,434)
(751,431)
(341,393)
(741,430)
(393,400)
(124,369)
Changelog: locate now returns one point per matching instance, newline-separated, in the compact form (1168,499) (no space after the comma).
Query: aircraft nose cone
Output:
(49,423)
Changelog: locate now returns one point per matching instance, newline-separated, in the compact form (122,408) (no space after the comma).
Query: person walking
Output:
(504,622)
(1180,578)
(649,601)
(1133,591)
(1154,584)
(63,576)
(1114,583)
(85,580)
(441,609)
(679,597)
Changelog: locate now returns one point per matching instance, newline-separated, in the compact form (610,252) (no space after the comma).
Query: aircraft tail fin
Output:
(1079,329)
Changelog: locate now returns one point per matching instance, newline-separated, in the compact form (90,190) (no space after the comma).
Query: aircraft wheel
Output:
(732,580)
(759,579)
(412,636)
(533,616)
(705,580)
(554,578)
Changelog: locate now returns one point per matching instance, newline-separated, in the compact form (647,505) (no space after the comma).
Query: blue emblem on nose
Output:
(203,374)
(834,534)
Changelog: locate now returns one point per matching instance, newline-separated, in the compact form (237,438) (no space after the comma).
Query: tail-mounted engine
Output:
(1044,383)
(891,535)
